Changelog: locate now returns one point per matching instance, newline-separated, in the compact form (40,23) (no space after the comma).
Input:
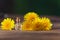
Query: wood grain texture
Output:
(30,35)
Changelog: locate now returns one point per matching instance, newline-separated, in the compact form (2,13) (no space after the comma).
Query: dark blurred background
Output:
(42,7)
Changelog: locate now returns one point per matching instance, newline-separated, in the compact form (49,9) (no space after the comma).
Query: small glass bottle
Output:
(17,26)
(20,25)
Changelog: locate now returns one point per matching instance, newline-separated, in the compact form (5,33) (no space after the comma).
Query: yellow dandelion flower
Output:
(36,24)
(47,23)
(42,24)
(26,26)
(30,16)
(7,24)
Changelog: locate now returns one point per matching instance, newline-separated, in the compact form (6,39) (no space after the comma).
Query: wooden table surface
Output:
(30,35)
